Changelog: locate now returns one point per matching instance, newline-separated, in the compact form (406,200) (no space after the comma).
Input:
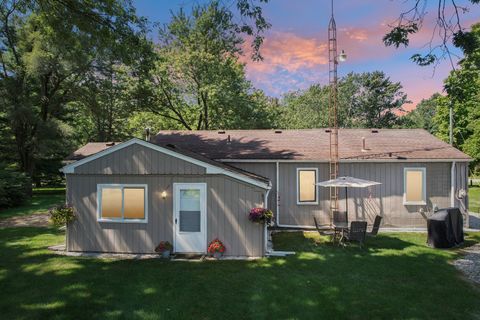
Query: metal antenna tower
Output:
(333,111)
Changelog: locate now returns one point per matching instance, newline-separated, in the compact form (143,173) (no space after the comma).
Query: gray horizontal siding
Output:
(228,203)
(137,159)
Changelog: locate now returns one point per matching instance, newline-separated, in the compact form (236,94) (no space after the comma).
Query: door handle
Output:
(175,220)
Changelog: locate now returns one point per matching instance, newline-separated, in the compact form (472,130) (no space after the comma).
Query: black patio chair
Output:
(320,231)
(376,226)
(340,217)
(357,232)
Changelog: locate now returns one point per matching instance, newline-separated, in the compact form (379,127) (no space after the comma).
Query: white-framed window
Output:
(414,186)
(122,202)
(307,190)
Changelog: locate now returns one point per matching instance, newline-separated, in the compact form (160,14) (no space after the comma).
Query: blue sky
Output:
(295,47)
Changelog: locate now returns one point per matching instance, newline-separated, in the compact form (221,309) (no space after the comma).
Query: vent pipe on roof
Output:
(364,145)
(278,131)
(229,139)
(147,134)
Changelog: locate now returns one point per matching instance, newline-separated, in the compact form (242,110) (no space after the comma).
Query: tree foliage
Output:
(47,49)
(447,29)
(463,94)
(368,99)
(423,114)
(197,80)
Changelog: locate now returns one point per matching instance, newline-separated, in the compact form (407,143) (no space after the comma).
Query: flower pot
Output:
(217,255)
(166,254)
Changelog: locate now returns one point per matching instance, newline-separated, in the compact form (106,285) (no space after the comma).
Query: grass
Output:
(395,277)
(474,199)
(41,200)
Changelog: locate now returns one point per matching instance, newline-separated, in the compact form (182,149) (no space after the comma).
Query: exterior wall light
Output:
(164,195)
(342,56)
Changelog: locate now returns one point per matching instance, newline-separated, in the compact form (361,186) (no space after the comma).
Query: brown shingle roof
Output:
(309,144)
(312,144)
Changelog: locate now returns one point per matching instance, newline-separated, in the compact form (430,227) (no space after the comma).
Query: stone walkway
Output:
(32,220)
(469,264)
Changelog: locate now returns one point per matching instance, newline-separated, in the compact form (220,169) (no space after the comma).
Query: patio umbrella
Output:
(348,182)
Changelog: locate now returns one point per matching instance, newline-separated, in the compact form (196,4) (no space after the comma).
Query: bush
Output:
(14,187)
(62,215)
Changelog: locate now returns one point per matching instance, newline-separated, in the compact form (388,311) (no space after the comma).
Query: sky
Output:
(295,49)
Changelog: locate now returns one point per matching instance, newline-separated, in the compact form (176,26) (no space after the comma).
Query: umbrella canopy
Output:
(348,182)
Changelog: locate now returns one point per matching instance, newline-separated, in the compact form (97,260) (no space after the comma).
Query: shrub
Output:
(164,246)
(62,215)
(216,246)
(14,187)
(260,215)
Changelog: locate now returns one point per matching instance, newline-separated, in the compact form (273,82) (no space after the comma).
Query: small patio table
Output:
(338,229)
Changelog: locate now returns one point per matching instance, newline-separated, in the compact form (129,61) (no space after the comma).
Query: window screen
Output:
(190,210)
(307,190)
(414,186)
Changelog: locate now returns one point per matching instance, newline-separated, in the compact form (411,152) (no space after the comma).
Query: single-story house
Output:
(189,187)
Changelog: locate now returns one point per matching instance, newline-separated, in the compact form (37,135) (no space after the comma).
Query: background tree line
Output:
(73,71)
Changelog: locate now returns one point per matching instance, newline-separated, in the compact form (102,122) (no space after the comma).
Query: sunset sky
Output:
(295,48)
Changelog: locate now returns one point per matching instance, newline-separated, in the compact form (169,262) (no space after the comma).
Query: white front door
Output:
(190,217)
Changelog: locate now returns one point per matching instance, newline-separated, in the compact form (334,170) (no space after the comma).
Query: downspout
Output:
(277,188)
(452,185)
(66,203)
(265,232)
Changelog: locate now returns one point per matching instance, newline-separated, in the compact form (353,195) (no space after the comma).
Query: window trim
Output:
(424,186)
(301,203)
(121,186)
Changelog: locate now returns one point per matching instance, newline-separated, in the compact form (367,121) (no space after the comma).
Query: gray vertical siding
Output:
(364,204)
(228,203)
(137,159)
(264,169)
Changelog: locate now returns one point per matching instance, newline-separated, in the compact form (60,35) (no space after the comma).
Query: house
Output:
(189,187)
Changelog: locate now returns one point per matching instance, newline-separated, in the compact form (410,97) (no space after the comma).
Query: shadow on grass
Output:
(396,276)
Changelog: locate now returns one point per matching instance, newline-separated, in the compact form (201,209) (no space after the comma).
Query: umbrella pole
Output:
(346,201)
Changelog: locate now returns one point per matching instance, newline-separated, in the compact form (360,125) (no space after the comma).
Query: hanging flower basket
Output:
(260,215)
(216,248)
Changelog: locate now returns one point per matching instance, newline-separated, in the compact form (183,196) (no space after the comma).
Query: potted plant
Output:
(216,248)
(164,248)
(61,216)
(260,215)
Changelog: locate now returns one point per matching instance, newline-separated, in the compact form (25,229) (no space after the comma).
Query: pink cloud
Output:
(290,52)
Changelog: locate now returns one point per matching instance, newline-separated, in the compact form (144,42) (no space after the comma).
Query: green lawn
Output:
(474,199)
(396,277)
(42,200)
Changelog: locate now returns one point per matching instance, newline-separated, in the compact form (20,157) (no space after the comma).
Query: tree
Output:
(423,114)
(46,49)
(463,94)
(368,100)
(198,80)
(447,30)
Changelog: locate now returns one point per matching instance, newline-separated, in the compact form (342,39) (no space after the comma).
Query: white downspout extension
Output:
(265,232)
(452,185)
